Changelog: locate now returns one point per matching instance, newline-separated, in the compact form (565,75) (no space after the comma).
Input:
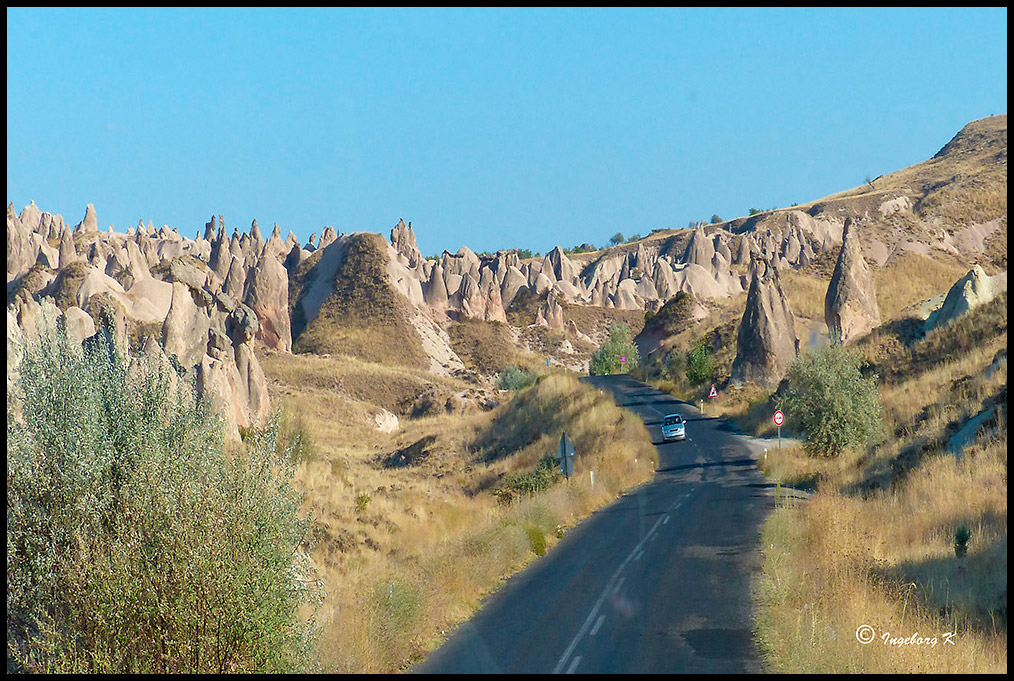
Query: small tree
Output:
(829,402)
(700,367)
(617,239)
(606,359)
(715,219)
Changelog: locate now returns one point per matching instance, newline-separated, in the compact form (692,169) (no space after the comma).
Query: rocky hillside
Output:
(914,231)
(207,300)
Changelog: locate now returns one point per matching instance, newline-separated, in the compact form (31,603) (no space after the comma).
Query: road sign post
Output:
(779,420)
(565,454)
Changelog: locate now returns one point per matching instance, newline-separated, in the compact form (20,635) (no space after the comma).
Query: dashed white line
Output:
(602,597)
(574,664)
(595,629)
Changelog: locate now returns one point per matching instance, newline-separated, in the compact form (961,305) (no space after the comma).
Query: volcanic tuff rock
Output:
(850,306)
(153,282)
(136,273)
(403,240)
(972,290)
(267,294)
(767,340)
(89,223)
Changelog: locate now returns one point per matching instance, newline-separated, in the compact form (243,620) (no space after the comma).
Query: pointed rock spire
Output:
(850,306)
(767,340)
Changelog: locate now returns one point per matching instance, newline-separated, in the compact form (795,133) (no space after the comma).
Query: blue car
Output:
(674,428)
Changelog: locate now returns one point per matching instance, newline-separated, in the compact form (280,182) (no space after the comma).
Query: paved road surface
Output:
(657,582)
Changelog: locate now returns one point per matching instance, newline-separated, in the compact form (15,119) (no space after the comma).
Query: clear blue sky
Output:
(486,128)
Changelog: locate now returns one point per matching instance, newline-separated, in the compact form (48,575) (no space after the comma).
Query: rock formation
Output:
(156,288)
(850,306)
(972,290)
(767,341)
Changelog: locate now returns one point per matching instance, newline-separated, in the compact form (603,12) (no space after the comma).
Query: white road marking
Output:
(666,519)
(595,629)
(619,584)
(574,664)
(602,597)
(638,556)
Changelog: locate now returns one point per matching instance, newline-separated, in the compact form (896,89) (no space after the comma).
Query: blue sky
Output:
(486,128)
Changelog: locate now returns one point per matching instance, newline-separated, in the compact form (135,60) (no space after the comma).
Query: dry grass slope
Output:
(409,552)
(876,544)
(408,549)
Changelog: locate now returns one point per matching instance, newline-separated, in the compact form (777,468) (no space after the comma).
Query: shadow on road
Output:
(709,464)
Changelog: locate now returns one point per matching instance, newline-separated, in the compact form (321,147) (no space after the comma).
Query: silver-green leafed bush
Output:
(618,354)
(829,402)
(514,378)
(136,541)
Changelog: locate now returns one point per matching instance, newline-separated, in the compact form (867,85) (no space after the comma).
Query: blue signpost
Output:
(565,455)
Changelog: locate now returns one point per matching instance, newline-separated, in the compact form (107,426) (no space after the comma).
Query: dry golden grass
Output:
(596,321)
(363,316)
(408,553)
(913,278)
(485,347)
(876,544)
(806,293)
(349,379)
(966,182)
(832,564)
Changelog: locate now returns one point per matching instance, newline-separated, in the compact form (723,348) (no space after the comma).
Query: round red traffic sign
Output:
(779,417)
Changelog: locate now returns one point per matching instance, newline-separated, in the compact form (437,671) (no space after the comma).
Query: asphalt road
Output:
(656,582)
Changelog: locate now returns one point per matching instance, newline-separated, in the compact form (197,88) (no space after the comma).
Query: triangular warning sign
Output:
(713,393)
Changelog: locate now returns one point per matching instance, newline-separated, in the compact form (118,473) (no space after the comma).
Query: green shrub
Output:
(515,485)
(675,365)
(829,402)
(699,366)
(961,537)
(135,543)
(537,539)
(619,345)
(513,378)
